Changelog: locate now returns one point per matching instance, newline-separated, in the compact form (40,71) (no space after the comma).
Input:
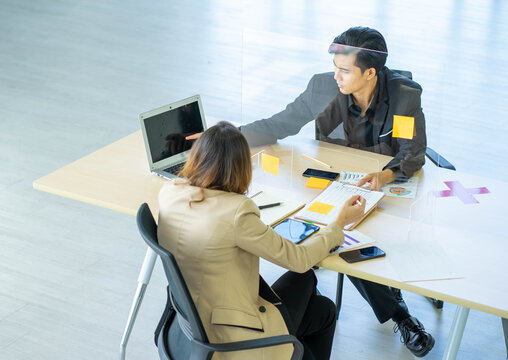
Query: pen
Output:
(261,207)
(316,160)
(359,187)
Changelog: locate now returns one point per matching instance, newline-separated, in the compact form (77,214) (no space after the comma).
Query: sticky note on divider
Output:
(320,208)
(403,127)
(316,183)
(270,164)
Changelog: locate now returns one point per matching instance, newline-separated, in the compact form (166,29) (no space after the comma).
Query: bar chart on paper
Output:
(353,239)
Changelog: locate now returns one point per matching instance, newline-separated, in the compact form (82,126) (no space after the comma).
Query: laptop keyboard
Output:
(175,168)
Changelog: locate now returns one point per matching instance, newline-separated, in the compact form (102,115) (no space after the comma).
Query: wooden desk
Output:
(117,177)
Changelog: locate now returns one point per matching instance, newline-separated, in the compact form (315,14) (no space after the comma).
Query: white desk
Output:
(117,177)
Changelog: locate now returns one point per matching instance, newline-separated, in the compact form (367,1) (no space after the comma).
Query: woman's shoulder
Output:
(174,185)
(176,188)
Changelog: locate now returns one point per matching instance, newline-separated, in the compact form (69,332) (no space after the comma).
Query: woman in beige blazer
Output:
(215,233)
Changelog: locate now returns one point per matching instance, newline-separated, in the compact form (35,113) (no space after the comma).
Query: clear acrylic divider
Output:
(419,255)
(272,170)
(276,68)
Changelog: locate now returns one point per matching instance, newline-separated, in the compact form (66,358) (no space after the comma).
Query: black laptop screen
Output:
(166,132)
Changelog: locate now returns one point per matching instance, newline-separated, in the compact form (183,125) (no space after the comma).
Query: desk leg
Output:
(505,331)
(455,336)
(143,280)
(338,294)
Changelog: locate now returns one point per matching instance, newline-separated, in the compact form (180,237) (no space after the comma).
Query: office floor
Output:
(75,75)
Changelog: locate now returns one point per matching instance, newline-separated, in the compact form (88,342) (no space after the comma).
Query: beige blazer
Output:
(217,244)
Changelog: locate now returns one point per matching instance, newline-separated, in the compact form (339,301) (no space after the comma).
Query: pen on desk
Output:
(261,207)
(256,194)
(316,160)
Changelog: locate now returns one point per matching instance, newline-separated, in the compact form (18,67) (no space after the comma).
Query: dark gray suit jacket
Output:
(397,95)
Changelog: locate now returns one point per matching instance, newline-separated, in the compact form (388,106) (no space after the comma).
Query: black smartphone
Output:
(295,230)
(321,174)
(367,253)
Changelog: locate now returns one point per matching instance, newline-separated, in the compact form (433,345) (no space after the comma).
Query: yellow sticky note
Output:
(320,208)
(270,164)
(403,127)
(316,183)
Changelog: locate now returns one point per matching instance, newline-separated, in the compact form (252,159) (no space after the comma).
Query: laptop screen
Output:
(166,131)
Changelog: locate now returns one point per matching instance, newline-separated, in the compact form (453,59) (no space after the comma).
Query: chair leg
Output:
(505,330)
(338,296)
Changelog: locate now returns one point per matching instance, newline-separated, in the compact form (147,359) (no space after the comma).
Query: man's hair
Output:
(369,39)
(220,160)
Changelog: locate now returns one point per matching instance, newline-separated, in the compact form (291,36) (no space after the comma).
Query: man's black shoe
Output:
(398,296)
(414,336)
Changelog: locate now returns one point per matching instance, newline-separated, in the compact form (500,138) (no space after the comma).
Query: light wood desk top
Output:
(117,177)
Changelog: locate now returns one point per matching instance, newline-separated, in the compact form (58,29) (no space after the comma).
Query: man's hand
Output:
(377,179)
(193,136)
(352,210)
(176,143)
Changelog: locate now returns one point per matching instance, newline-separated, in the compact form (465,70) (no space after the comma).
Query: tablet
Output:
(295,230)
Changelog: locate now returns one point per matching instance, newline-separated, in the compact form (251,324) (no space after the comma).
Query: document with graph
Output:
(326,206)
(401,187)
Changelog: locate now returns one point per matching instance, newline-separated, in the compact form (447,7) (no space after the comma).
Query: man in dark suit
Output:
(355,106)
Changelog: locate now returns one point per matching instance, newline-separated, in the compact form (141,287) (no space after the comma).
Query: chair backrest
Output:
(405,73)
(186,312)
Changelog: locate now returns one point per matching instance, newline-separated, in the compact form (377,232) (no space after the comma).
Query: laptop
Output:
(164,131)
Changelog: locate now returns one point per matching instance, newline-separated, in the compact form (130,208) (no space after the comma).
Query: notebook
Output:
(326,206)
(273,215)
(164,131)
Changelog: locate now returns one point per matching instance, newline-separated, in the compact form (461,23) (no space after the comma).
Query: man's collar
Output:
(355,109)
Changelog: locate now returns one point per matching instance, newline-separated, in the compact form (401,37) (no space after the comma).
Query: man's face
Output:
(349,77)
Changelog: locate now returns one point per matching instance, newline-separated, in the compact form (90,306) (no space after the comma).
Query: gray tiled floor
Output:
(75,75)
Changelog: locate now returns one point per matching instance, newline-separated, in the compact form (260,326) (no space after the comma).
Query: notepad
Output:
(334,196)
(315,183)
(270,164)
(273,215)
(403,127)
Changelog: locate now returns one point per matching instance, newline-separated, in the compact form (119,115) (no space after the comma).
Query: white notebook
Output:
(276,214)
(334,196)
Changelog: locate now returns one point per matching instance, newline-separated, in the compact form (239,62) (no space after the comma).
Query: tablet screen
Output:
(295,230)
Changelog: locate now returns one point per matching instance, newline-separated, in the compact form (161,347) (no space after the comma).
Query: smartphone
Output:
(321,174)
(367,253)
(295,230)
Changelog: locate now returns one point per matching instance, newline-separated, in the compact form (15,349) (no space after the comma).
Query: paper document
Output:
(353,239)
(402,186)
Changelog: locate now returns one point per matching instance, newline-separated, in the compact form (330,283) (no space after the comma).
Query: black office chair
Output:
(186,338)
(430,153)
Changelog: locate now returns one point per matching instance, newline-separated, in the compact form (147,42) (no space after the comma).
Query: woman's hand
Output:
(352,210)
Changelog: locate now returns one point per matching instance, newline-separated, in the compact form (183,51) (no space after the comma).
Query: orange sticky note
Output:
(403,127)
(316,183)
(320,208)
(270,164)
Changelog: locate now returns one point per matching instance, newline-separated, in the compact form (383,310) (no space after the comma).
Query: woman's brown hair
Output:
(220,160)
